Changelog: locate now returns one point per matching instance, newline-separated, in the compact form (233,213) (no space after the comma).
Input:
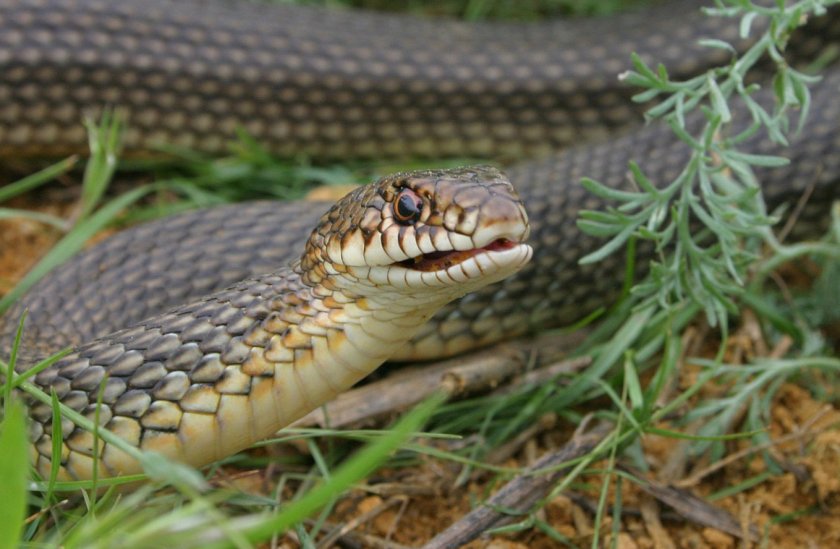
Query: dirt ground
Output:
(797,508)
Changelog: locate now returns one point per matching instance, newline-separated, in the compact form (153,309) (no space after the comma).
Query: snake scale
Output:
(333,84)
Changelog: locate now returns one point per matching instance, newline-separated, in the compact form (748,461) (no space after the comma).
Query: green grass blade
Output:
(14,470)
(356,468)
(105,139)
(40,217)
(10,372)
(73,241)
(37,179)
(57,440)
(740,487)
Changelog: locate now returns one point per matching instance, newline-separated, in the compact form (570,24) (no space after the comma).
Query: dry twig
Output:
(521,493)
(461,375)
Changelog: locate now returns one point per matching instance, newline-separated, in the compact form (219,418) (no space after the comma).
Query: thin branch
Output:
(520,494)
(462,375)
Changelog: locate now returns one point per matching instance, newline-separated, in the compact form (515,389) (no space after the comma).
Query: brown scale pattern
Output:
(183,362)
(324,83)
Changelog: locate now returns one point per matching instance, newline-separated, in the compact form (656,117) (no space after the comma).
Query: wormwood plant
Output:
(708,226)
(717,187)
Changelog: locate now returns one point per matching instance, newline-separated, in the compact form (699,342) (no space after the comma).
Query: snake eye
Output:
(408,207)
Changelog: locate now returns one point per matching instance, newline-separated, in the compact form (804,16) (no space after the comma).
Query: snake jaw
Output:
(457,272)
(447,274)
(437,261)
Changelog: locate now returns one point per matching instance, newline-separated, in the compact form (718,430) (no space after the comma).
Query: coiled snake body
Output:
(341,89)
(209,378)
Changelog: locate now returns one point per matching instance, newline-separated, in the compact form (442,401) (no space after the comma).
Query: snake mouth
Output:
(437,261)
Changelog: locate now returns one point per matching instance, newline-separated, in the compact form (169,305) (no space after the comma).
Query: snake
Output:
(210,378)
(199,344)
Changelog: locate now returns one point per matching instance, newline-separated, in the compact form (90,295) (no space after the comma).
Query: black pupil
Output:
(407,208)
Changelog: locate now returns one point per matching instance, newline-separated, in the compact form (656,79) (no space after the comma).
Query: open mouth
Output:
(437,261)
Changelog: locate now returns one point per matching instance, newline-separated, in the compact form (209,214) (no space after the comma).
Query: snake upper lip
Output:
(436,261)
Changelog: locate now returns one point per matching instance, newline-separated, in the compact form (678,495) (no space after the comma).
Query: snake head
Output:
(452,229)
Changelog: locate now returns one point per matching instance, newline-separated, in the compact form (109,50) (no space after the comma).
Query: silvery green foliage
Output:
(717,190)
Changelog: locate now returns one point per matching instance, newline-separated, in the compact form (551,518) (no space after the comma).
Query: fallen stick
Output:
(461,375)
(698,511)
(520,494)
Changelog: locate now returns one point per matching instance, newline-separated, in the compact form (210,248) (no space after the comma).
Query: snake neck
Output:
(373,322)
(221,374)
(327,306)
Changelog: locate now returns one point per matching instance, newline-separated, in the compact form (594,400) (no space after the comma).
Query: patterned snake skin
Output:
(328,83)
(209,378)
(346,98)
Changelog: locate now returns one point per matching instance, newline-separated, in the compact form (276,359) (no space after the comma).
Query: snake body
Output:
(541,100)
(143,271)
(212,377)
(327,83)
